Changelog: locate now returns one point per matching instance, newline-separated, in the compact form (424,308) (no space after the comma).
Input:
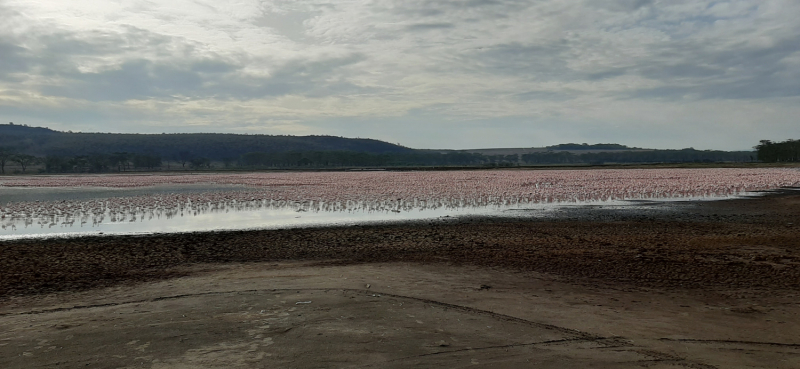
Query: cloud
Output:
(428,26)
(136,64)
(622,5)
(467,63)
(199,79)
(13,60)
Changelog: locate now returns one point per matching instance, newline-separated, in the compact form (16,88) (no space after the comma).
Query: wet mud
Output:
(751,243)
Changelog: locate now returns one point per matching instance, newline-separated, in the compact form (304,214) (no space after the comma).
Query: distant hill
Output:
(68,152)
(216,146)
(495,151)
(593,147)
(569,147)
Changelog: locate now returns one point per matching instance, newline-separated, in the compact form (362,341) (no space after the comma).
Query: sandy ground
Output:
(295,315)
(707,286)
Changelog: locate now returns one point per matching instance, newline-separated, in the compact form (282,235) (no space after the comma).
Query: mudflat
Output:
(689,285)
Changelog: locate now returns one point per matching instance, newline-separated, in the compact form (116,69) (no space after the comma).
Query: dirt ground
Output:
(703,285)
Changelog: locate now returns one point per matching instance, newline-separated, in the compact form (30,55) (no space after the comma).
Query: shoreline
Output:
(586,210)
(703,285)
(735,243)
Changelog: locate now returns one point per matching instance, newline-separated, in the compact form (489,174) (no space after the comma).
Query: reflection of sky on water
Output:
(266,218)
(265,214)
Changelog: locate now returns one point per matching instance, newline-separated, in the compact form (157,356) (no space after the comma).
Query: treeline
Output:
(120,161)
(321,159)
(125,161)
(8,156)
(689,155)
(326,159)
(771,152)
(583,146)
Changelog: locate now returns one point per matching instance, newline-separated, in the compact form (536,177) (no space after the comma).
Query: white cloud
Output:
(644,69)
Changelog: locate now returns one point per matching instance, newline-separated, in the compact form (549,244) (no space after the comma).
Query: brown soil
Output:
(708,285)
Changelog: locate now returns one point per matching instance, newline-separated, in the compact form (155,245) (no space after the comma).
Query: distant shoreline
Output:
(428,168)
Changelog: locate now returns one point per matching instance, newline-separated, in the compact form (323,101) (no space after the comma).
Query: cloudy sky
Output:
(423,73)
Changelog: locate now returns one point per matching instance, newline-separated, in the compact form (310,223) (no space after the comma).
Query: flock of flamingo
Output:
(378,191)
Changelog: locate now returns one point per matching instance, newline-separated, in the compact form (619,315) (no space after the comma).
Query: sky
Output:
(444,74)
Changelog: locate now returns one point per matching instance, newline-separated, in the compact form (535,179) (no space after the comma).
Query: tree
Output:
(228,161)
(25,160)
(56,164)
(120,159)
(201,162)
(146,161)
(769,151)
(184,157)
(6,155)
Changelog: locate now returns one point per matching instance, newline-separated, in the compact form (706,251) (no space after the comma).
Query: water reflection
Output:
(223,210)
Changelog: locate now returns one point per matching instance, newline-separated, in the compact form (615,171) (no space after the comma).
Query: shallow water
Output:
(43,206)
(263,214)
(10,195)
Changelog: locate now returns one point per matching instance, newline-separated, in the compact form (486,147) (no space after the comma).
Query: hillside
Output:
(62,152)
(569,147)
(216,146)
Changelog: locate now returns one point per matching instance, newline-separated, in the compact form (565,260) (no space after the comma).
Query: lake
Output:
(70,205)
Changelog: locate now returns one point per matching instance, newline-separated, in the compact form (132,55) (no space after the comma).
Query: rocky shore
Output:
(749,243)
